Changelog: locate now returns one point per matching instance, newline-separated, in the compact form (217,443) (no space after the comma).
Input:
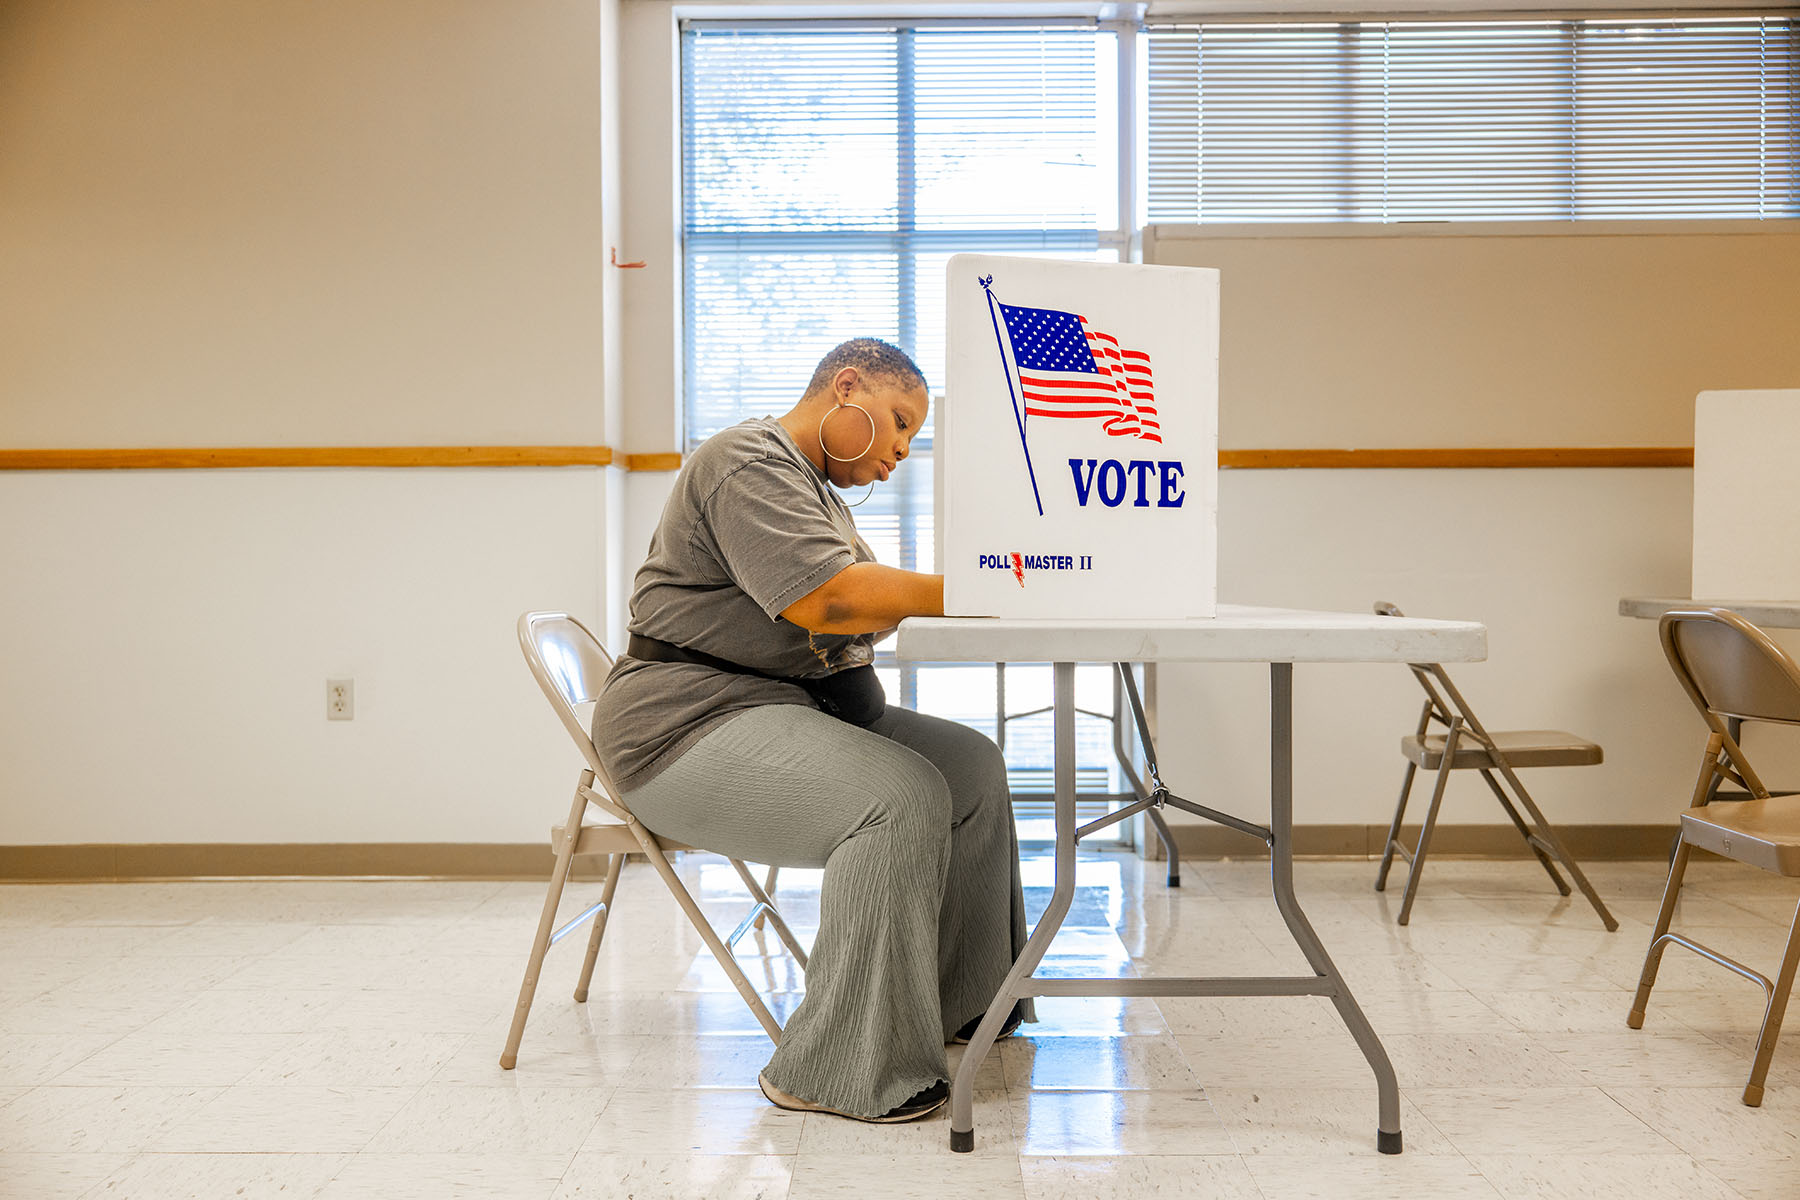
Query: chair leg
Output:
(1771,1026)
(769,887)
(759,895)
(1653,956)
(1487,777)
(615,866)
(1431,815)
(1387,851)
(1558,849)
(720,951)
(540,942)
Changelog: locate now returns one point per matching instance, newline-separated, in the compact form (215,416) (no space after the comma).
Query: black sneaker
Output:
(1014,1019)
(922,1104)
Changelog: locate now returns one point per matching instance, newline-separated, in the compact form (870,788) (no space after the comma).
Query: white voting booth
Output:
(1077,441)
(1747,495)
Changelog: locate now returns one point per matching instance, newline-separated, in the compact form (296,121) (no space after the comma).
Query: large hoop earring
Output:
(841,405)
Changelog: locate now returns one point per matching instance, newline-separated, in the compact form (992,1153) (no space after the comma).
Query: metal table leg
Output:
(1279,836)
(1017,983)
(1281,870)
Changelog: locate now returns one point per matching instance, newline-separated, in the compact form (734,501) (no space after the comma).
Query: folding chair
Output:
(570,665)
(1732,672)
(1467,745)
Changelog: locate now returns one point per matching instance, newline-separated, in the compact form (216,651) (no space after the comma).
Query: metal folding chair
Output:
(570,665)
(1466,745)
(1733,673)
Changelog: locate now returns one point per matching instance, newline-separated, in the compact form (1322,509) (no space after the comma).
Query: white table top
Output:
(1238,634)
(1776,614)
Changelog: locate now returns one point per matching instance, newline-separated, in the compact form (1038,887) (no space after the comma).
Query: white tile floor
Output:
(340,1039)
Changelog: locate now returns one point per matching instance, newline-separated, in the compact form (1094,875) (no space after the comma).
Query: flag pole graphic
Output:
(987,285)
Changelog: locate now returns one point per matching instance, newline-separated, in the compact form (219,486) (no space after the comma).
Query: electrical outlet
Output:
(340,699)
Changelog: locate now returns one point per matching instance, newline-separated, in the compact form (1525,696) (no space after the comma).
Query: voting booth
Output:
(1747,495)
(1077,440)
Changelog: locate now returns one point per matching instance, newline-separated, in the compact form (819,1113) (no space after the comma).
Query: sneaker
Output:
(1014,1019)
(922,1104)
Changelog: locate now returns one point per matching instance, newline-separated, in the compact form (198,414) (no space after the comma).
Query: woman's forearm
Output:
(868,598)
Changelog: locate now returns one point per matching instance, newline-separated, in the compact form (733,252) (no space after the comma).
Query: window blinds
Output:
(828,174)
(1467,120)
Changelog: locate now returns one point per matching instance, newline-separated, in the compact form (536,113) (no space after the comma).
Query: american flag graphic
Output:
(1066,368)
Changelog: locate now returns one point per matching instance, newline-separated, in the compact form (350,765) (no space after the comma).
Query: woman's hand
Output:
(867,598)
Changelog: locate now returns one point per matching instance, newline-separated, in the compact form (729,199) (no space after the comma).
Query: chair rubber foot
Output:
(581,996)
(1387,1143)
(962,1141)
(1174,881)
(508,1061)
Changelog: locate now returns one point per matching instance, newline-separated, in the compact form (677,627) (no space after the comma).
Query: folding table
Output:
(1280,637)
(1770,614)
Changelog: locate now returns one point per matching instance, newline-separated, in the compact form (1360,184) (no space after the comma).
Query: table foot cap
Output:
(1387,1143)
(962,1141)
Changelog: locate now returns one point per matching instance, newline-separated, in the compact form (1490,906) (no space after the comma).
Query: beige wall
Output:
(330,222)
(1527,336)
(335,222)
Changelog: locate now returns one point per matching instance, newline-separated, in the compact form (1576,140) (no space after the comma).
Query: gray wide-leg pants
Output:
(920,914)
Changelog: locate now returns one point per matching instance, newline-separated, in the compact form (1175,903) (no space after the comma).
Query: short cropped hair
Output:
(873,358)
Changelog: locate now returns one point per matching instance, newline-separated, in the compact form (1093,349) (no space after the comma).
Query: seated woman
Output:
(745,718)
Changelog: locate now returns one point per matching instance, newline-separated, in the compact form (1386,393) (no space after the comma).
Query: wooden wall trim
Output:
(1435,458)
(305,456)
(1588,843)
(478,860)
(1453,458)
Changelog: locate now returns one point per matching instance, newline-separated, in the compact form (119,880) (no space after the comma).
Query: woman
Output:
(753,621)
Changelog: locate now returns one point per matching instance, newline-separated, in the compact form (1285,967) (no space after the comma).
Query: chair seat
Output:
(1759,833)
(610,837)
(1522,748)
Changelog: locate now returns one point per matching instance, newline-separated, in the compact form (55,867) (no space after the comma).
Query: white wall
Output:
(167,635)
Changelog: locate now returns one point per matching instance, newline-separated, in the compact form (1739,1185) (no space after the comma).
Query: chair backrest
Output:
(1730,668)
(1440,706)
(570,665)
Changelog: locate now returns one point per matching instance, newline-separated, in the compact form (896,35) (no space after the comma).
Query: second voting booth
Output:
(1077,442)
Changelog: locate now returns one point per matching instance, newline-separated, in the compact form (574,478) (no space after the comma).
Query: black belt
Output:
(853,694)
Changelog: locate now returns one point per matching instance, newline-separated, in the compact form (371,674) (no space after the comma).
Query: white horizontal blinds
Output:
(1006,132)
(1462,120)
(1252,122)
(1473,122)
(790,196)
(1697,119)
(790,131)
(828,173)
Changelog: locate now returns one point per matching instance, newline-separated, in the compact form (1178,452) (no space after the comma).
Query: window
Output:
(829,172)
(1458,120)
(828,175)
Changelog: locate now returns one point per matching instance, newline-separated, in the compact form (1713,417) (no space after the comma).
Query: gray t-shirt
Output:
(751,527)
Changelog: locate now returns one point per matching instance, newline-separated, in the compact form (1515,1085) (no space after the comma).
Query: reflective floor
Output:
(339,1039)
